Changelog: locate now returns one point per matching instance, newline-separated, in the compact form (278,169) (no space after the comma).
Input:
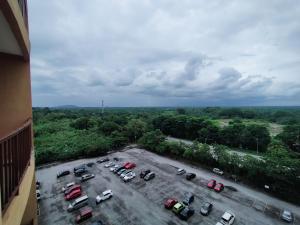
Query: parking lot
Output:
(139,202)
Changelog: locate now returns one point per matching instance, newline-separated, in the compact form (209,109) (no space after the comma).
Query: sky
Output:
(165,53)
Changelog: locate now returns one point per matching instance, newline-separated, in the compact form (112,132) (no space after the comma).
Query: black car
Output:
(188,198)
(149,176)
(80,171)
(118,169)
(79,167)
(90,164)
(206,208)
(103,160)
(190,176)
(186,213)
(62,173)
(144,173)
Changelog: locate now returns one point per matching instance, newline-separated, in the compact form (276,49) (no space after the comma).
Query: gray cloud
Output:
(165,53)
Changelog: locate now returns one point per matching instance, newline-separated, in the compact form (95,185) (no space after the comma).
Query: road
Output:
(242,154)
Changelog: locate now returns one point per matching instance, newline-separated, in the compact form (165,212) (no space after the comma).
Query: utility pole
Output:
(256,145)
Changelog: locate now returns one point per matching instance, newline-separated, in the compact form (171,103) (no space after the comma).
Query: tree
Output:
(83,123)
(290,136)
(180,111)
(255,137)
(151,140)
(108,127)
(135,129)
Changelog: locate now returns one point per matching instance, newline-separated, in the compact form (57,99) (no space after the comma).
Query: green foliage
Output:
(291,136)
(83,123)
(151,140)
(135,129)
(108,127)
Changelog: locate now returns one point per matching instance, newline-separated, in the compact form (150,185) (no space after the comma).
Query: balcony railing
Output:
(23,8)
(15,153)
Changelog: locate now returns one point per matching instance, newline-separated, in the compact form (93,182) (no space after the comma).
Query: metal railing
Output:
(15,153)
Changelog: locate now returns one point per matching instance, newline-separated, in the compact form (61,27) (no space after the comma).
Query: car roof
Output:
(106,192)
(227,215)
(86,210)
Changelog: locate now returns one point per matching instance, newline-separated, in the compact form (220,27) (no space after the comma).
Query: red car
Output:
(72,188)
(170,202)
(84,214)
(129,165)
(211,184)
(74,194)
(219,187)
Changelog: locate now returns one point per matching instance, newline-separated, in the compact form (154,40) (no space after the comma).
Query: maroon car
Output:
(84,214)
(170,202)
(219,187)
(211,184)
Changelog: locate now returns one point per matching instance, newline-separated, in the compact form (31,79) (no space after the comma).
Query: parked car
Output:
(68,185)
(218,171)
(178,207)
(121,171)
(79,167)
(129,176)
(206,208)
(102,160)
(186,213)
(116,170)
(37,184)
(116,158)
(109,164)
(125,173)
(190,176)
(72,195)
(90,164)
(219,187)
(144,173)
(84,214)
(113,168)
(211,184)
(78,203)
(188,198)
(80,171)
(72,188)
(227,219)
(38,194)
(287,216)
(104,196)
(181,171)
(62,173)
(170,202)
(149,176)
(86,177)
(129,165)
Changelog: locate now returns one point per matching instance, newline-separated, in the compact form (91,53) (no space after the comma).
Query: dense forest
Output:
(269,136)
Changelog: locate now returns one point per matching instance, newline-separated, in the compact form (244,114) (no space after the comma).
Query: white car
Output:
(104,196)
(125,173)
(110,164)
(218,171)
(86,177)
(38,195)
(227,219)
(68,186)
(129,176)
(113,167)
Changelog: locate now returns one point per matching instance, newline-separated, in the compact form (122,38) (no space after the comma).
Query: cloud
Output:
(165,53)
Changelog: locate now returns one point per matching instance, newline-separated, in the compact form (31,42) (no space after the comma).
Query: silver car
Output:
(287,216)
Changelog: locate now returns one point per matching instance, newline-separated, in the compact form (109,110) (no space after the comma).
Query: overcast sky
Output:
(165,53)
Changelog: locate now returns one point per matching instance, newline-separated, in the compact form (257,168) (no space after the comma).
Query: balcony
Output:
(15,153)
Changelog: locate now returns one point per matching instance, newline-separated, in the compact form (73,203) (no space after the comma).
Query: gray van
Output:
(78,203)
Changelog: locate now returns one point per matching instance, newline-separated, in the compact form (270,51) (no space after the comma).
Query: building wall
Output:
(23,208)
(15,93)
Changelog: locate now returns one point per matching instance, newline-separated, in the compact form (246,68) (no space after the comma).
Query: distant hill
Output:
(66,107)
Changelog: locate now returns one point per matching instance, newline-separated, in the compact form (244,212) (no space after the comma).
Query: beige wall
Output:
(15,93)
(22,209)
